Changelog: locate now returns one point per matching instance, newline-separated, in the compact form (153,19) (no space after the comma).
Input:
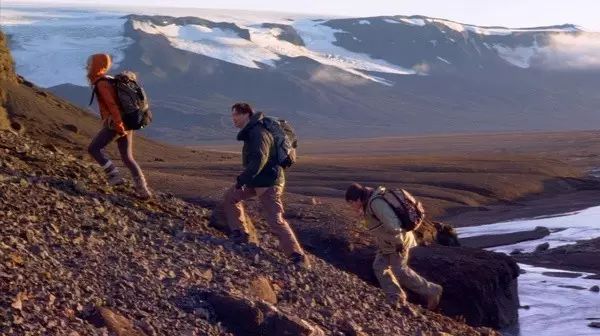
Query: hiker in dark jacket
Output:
(262,177)
(112,127)
(393,247)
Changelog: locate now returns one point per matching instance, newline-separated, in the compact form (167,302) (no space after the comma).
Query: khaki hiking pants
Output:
(272,206)
(393,273)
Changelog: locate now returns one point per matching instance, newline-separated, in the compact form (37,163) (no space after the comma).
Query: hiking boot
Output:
(115,180)
(141,188)
(301,260)
(434,298)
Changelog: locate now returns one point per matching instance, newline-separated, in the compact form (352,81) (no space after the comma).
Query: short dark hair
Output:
(356,192)
(243,108)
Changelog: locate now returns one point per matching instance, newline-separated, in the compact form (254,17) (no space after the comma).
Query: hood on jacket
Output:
(98,65)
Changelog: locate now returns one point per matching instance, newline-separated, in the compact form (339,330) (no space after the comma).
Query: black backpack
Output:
(406,207)
(133,102)
(285,140)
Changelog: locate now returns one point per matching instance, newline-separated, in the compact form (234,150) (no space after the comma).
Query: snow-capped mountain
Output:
(332,77)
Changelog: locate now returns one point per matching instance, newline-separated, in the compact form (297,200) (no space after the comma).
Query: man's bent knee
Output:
(232,196)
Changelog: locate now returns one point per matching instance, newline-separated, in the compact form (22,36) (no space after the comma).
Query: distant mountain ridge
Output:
(333,78)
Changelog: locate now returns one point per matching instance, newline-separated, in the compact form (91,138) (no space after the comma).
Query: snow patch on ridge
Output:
(64,40)
(265,48)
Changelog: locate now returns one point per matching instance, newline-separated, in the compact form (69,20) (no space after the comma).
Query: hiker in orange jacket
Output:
(112,127)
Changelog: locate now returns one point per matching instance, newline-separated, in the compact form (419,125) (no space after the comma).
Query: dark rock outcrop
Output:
(486,241)
(116,323)
(245,317)
(580,257)
(432,232)
(542,247)
(71,128)
(479,285)
(288,33)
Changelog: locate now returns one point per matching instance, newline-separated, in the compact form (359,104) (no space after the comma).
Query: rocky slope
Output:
(479,286)
(79,258)
(74,253)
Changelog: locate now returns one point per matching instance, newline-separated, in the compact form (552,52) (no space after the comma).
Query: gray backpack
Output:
(133,102)
(285,140)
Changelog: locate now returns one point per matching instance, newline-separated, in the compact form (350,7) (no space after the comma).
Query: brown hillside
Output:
(7,73)
(454,176)
(78,257)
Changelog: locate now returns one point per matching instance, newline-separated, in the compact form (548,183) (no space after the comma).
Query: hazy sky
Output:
(512,13)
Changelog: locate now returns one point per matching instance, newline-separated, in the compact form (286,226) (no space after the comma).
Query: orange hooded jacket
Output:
(110,112)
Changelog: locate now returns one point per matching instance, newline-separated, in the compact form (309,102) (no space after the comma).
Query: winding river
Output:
(562,306)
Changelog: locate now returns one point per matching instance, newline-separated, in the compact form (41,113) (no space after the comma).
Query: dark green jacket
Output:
(258,156)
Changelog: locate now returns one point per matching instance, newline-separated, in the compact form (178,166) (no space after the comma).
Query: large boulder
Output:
(247,317)
(437,233)
(479,285)
(117,324)
(487,241)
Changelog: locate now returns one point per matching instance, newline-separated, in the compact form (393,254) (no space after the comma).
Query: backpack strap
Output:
(107,78)
(401,217)
(373,213)
(93,96)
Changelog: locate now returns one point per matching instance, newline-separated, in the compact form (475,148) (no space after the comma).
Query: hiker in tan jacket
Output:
(393,246)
